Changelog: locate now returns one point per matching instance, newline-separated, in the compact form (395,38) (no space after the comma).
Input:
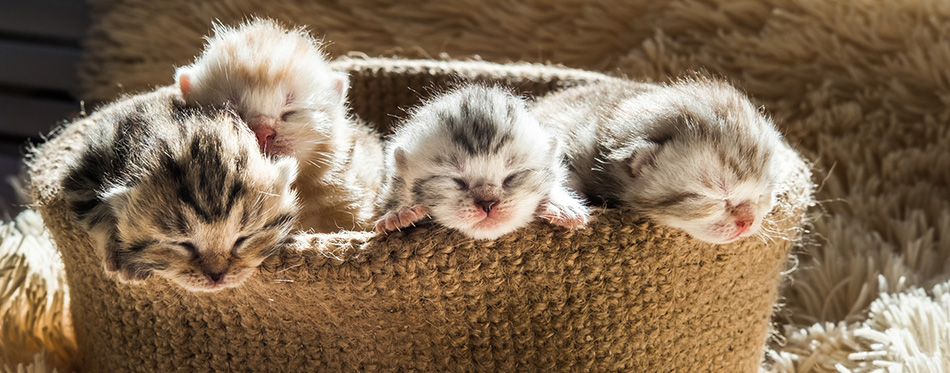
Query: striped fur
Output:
(164,189)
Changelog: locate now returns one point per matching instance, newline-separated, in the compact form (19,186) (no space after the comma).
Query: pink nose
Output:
(744,216)
(263,127)
(265,137)
(743,224)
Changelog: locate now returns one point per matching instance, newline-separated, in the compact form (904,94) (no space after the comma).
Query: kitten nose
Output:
(263,127)
(486,204)
(265,137)
(215,277)
(744,216)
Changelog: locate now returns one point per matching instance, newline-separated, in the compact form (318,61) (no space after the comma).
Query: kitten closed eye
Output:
(515,179)
(287,115)
(238,244)
(189,248)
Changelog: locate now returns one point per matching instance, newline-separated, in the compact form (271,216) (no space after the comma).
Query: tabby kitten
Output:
(182,193)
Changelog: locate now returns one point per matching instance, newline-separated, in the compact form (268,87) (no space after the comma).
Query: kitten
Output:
(279,82)
(182,193)
(694,155)
(474,159)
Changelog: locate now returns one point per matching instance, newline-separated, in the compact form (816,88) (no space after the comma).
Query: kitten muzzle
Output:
(486,205)
(215,277)
(485,196)
(215,267)
(488,213)
(264,129)
(744,217)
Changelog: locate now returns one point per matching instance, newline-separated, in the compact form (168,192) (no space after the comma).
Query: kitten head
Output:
(705,164)
(208,213)
(477,160)
(277,79)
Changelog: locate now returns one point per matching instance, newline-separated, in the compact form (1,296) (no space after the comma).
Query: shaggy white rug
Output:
(35,332)
(860,87)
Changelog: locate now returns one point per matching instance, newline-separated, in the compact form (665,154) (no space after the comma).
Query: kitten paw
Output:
(402,218)
(565,212)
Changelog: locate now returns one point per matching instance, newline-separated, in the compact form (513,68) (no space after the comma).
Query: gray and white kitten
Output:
(694,155)
(182,193)
(280,83)
(475,159)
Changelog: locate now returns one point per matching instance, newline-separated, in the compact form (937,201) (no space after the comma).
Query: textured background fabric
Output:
(622,294)
(859,87)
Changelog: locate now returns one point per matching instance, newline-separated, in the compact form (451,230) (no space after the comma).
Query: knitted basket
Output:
(623,294)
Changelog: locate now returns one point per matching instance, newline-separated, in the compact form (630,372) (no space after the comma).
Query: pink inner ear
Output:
(340,87)
(184,83)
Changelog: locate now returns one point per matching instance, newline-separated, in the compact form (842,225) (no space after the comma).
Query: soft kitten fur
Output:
(280,83)
(474,159)
(694,155)
(178,192)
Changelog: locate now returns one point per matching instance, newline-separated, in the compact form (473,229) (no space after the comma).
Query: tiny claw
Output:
(571,216)
(402,218)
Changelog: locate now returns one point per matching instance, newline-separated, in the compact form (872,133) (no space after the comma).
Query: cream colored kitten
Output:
(280,83)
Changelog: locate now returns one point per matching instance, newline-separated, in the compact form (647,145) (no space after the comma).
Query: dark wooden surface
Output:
(39,52)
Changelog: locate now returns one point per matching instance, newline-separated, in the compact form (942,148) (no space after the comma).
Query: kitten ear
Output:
(341,85)
(642,157)
(183,80)
(402,164)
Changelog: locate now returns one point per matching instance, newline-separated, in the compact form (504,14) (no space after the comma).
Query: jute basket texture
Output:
(621,295)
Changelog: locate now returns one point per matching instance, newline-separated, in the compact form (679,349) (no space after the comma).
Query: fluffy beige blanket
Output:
(860,87)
